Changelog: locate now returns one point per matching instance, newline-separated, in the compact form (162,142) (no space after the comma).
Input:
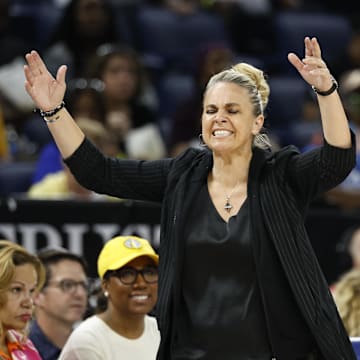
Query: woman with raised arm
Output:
(238,276)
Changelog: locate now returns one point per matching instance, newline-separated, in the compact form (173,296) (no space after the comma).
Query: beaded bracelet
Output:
(46,114)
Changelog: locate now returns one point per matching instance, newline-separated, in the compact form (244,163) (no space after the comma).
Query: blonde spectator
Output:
(62,184)
(347,299)
(21,276)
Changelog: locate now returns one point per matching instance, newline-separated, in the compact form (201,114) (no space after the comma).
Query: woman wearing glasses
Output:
(21,276)
(127,266)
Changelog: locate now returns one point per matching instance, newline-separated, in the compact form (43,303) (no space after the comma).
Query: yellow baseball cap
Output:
(120,250)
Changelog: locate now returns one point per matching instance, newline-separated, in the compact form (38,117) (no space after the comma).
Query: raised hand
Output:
(312,68)
(46,92)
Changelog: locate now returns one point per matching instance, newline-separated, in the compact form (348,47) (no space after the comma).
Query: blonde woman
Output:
(21,275)
(347,299)
(236,259)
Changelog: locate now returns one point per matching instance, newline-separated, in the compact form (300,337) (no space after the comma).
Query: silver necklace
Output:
(228,206)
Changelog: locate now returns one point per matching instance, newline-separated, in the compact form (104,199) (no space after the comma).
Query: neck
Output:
(129,326)
(55,330)
(229,172)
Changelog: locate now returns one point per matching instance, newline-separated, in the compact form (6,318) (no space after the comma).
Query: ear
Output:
(104,285)
(258,124)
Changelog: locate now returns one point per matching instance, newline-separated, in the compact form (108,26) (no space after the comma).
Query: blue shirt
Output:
(47,350)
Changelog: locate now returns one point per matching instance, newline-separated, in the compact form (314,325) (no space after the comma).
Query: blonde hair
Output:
(253,80)
(11,256)
(347,298)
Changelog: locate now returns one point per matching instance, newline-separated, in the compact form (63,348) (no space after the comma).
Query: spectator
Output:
(347,194)
(84,26)
(12,45)
(127,266)
(84,99)
(351,59)
(349,249)
(61,303)
(62,184)
(128,116)
(347,299)
(21,275)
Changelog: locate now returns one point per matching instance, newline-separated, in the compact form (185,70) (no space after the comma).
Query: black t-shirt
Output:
(221,313)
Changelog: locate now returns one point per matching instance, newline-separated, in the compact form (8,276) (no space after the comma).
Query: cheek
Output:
(8,311)
(205,123)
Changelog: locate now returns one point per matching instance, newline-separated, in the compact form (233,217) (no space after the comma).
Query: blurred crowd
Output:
(137,68)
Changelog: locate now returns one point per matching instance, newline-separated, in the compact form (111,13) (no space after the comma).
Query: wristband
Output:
(334,87)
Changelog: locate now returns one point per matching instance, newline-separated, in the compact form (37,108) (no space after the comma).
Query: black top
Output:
(281,186)
(221,310)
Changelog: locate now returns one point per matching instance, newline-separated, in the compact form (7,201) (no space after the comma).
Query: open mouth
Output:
(222,133)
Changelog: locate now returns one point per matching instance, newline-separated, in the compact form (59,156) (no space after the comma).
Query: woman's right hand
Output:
(46,92)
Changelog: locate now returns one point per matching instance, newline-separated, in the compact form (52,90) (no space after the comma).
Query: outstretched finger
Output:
(295,61)
(316,47)
(39,64)
(308,47)
(28,75)
(61,74)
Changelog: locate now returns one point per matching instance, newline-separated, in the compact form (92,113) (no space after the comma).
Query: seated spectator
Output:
(21,276)
(84,26)
(306,133)
(249,25)
(347,194)
(84,101)
(351,59)
(347,299)
(62,184)
(61,303)
(12,44)
(349,249)
(127,114)
(127,266)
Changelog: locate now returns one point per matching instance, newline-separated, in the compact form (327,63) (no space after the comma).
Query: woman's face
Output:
(136,299)
(228,122)
(91,18)
(120,79)
(18,308)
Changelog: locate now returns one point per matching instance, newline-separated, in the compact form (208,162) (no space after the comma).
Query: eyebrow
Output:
(14,282)
(226,105)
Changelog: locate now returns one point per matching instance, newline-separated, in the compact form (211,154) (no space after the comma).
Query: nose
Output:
(80,290)
(28,300)
(140,281)
(220,118)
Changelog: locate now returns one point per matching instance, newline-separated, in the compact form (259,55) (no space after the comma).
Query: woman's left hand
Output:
(312,68)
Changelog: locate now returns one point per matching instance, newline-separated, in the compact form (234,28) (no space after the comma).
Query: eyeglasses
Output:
(129,275)
(70,286)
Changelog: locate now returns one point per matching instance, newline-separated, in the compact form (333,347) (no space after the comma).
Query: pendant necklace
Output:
(228,206)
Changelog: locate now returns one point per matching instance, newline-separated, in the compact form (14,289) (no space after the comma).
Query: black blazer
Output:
(281,187)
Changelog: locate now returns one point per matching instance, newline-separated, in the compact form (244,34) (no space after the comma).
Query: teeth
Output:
(140,297)
(222,133)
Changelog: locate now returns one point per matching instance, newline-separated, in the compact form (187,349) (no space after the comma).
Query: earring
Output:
(106,294)
(201,141)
